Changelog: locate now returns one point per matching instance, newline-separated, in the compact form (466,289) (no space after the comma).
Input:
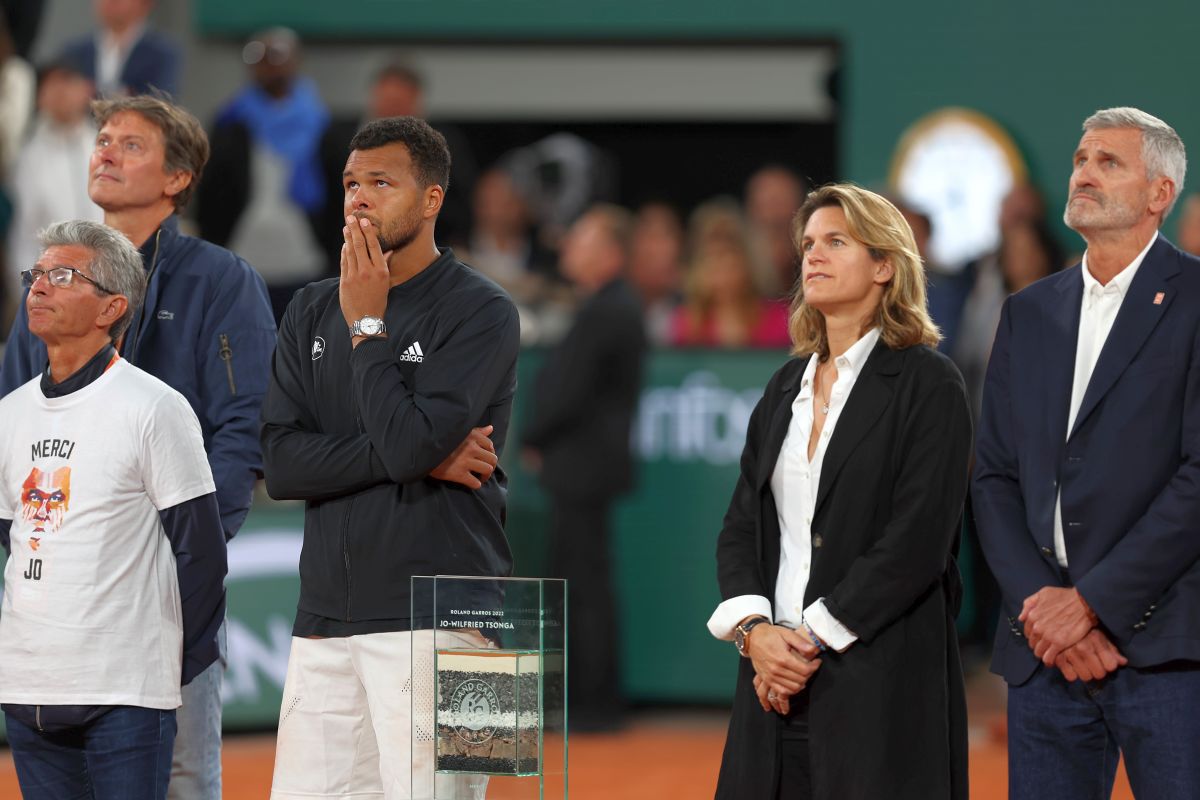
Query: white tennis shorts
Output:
(346,723)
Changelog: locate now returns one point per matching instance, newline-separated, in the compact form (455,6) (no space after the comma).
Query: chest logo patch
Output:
(413,353)
(164,314)
(318,348)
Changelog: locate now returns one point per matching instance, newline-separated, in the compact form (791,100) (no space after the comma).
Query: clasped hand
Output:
(784,661)
(1061,630)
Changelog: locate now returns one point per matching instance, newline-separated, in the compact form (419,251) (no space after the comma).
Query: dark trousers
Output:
(123,755)
(1064,739)
(795,774)
(579,552)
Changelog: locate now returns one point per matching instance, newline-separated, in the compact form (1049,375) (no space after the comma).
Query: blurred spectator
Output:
(947,290)
(723,305)
(502,245)
(579,433)
(49,181)
(718,221)
(1188,232)
(396,90)
(656,267)
(267,204)
(18,84)
(1028,252)
(24,18)
(126,56)
(723,308)
(16,106)
(773,195)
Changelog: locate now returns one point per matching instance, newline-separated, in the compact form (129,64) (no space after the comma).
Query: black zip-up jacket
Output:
(356,432)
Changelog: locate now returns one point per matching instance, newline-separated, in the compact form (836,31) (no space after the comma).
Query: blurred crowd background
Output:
(711,192)
(707,122)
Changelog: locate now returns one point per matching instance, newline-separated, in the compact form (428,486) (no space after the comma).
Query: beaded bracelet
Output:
(821,646)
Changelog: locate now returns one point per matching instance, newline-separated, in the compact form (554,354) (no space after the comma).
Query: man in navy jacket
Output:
(1087,486)
(205,329)
(125,56)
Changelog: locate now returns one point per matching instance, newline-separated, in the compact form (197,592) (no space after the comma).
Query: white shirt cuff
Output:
(833,633)
(734,610)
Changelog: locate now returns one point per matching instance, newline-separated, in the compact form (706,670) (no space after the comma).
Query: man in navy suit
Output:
(126,56)
(1087,486)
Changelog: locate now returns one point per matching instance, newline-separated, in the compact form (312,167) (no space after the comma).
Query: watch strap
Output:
(742,630)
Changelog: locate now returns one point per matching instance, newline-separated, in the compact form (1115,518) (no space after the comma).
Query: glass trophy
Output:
(488,688)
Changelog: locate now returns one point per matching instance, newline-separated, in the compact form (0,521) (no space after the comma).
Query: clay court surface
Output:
(662,755)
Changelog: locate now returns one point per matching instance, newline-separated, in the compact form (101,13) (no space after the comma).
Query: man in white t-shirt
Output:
(113,590)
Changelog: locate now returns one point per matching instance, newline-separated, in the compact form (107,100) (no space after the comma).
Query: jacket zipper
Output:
(136,329)
(346,554)
(226,354)
(37,717)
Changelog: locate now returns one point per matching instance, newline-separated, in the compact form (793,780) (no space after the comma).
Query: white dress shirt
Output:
(1100,305)
(111,54)
(794,483)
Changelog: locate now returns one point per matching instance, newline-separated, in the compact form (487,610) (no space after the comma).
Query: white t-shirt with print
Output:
(91,612)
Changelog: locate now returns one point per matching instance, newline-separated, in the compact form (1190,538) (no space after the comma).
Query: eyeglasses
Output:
(58,277)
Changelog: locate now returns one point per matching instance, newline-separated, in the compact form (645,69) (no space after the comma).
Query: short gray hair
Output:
(116,264)
(1162,149)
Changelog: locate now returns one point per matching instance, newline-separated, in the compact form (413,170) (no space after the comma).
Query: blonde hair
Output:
(700,302)
(880,227)
(720,222)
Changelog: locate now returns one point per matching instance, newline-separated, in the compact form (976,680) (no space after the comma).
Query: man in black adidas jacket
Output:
(381,383)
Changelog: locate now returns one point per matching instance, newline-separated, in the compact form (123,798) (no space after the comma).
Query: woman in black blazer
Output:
(835,558)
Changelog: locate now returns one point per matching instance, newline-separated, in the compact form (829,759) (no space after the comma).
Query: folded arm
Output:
(414,430)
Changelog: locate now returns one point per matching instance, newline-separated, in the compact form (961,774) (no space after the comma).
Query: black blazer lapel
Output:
(768,452)
(1147,300)
(870,396)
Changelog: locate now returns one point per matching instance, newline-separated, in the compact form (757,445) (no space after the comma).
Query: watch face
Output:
(370,326)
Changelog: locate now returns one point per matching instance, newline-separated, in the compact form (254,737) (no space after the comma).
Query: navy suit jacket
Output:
(153,63)
(1129,469)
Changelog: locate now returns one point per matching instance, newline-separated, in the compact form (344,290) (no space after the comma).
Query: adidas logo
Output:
(413,353)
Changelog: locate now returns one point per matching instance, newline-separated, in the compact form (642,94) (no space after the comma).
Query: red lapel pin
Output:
(1158,298)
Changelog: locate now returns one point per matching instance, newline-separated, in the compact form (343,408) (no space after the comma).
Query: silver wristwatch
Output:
(367,326)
